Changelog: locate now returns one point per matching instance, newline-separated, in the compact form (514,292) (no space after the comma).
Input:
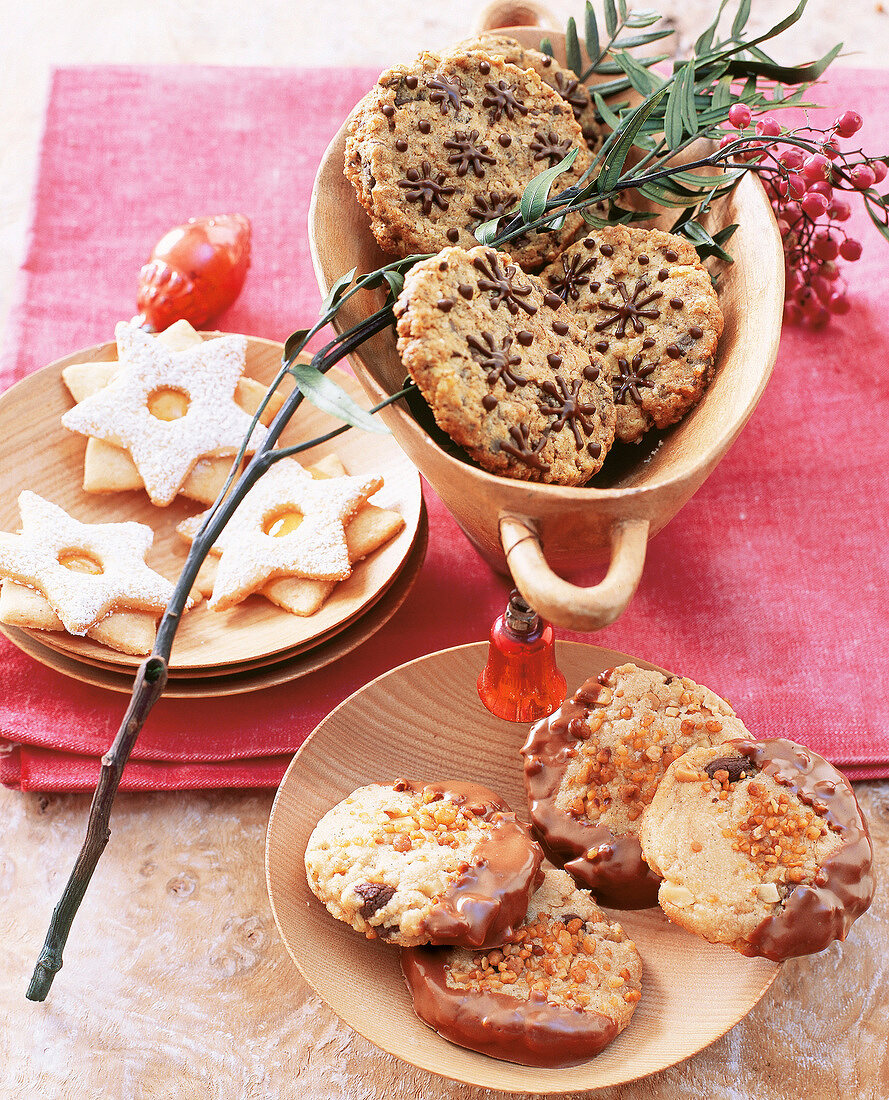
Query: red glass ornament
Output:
(521,682)
(195,271)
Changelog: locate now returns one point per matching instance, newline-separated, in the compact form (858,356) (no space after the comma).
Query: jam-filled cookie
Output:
(504,368)
(761,845)
(593,766)
(648,307)
(563,81)
(419,863)
(555,993)
(445,143)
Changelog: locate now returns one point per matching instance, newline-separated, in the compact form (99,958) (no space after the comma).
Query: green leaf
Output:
(572,48)
(622,141)
(610,18)
(294,344)
(487,231)
(326,395)
(641,39)
(643,17)
(722,97)
(605,113)
(726,233)
(705,41)
(533,203)
(718,179)
(622,9)
(547,47)
(869,204)
(593,219)
(799,74)
(687,99)
(338,289)
(395,280)
(741,17)
(638,75)
(664,196)
(591,32)
(705,245)
(673,130)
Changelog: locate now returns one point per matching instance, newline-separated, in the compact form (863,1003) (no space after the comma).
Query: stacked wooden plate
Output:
(255,644)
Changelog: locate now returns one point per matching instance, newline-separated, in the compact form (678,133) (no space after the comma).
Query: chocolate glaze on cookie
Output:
(483,905)
(816,914)
(611,866)
(530,1032)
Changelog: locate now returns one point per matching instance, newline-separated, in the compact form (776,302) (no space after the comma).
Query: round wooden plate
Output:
(30,426)
(279,672)
(424,721)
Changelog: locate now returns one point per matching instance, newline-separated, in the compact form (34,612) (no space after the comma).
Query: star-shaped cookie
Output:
(85,570)
(288,525)
(202,378)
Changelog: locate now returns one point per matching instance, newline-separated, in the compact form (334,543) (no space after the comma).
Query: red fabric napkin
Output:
(769,585)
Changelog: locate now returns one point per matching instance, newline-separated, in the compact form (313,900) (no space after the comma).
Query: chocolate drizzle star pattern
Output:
(468,154)
(547,146)
(448,93)
(631,309)
(521,449)
(498,362)
(573,92)
(502,100)
(500,282)
(575,269)
(563,402)
(494,205)
(633,377)
(422,186)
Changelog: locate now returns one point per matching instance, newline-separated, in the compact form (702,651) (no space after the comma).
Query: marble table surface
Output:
(175,981)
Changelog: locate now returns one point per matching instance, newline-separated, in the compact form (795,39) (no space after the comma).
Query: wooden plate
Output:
(424,721)
(279,672)
(29,426)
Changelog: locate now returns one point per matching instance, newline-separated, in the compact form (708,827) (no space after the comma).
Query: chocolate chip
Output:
(648,342)
(445,304)
(594,287)
(674,352)
(484,68)
(555,361)
(505,140)
(602,345)
(671,255)
(374,896)
(591,373)
(560,327)
(736,766)
(695,332)
(525,338)
(465,290)
(589,242)
(389,110)
(663,274)
(552,300)
(453,235)
(677,303)
(401,145)
(643,259)
(607,250)
(411,82)
(547,61)
(424,126)
(594,449)
(489,401)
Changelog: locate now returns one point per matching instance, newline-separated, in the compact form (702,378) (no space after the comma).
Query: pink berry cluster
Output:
(802,177)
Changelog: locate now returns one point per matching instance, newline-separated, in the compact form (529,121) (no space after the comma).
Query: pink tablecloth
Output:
(769,587)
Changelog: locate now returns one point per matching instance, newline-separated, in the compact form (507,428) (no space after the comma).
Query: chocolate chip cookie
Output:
(555,993)
(593,767)
(419,863)
(504,368)
(761,845)
(649,309)
(447,142)
(563,81)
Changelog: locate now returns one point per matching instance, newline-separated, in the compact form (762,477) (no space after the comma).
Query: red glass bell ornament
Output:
(195,271)
(521,682)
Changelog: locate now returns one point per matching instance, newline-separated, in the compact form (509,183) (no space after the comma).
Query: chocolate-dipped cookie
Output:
(593,767)
(648,307)
(562,81)
(413,863)
(504,368)
(555,993)
(762,846)
(443,144)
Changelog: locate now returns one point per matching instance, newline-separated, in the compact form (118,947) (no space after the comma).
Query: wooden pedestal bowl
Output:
(515,523)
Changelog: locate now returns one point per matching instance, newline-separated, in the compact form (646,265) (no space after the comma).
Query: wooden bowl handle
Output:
(565,604)
(513,13)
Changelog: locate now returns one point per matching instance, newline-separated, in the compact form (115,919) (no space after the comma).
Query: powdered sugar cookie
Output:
(169,408)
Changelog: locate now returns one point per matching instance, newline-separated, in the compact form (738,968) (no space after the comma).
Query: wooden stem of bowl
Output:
(562,602)
(514,13)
